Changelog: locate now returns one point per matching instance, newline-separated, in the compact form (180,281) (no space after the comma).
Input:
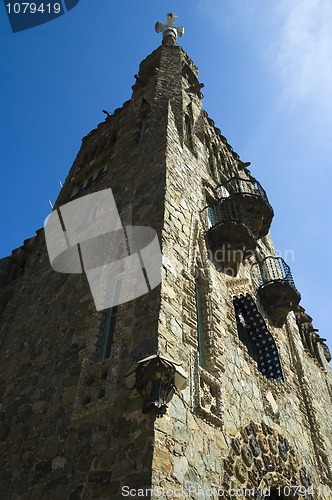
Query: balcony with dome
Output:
(276,290)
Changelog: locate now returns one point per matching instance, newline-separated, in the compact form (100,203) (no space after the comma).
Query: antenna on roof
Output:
(61,184)
(50,204)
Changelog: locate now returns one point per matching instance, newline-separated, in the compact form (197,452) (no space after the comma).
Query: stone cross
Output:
(169,28)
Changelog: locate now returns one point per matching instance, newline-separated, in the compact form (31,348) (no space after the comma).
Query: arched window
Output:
(188,129)
(254,334)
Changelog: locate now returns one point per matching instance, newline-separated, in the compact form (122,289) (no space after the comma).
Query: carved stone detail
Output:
(260,457)
(264,444)
(273,444)
(207,395)
(236,444)
(247,455)
(270,405)
(312,342)
(236,287)
(241,472)
(239,287)
(318,441)
(93,392)
(198,262)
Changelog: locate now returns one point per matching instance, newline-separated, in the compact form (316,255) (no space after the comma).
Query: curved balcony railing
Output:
(229,236)
(276,289)
(274,269)
(251,195)
(246,186)
(227,210)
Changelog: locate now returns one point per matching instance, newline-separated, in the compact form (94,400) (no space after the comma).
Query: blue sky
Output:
(267,70)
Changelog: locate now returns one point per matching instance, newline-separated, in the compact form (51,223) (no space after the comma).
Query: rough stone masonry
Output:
(70,427)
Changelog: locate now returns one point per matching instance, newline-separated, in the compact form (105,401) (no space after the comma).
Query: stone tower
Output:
(255,416)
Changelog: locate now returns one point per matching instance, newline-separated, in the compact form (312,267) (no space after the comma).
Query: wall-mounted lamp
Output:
(155,378)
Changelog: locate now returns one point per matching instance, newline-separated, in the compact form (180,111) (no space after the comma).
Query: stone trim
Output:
(199,262)
(270,404)
(207,394)
(97,380)
(313,344)
(236,287)
(261,457)
(324,466)
(92,390)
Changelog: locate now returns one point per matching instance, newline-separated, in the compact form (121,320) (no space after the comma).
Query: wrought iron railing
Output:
(226,210)
(274,269)
(245,186)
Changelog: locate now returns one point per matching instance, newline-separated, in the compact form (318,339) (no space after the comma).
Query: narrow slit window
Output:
(141,129)
(110,322)
(187,123)
(108,334)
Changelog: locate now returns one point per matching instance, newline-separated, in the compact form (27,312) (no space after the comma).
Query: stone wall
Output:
(290,419)
(70,428)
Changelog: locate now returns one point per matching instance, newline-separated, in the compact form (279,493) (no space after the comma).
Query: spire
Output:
(169,29)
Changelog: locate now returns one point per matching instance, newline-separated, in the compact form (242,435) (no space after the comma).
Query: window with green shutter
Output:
(212,220)
(108,334)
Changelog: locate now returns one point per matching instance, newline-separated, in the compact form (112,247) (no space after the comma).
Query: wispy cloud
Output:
(294,38)
(302,50)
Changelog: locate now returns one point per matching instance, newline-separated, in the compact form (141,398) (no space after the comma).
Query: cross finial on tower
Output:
(169,28)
